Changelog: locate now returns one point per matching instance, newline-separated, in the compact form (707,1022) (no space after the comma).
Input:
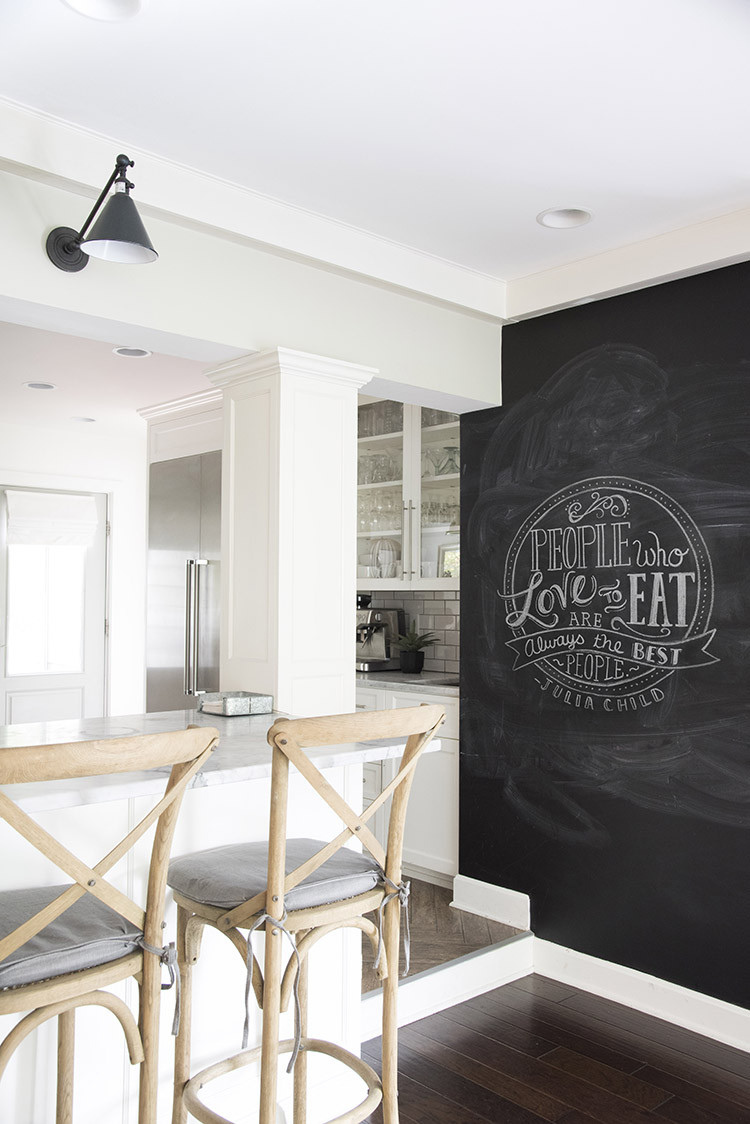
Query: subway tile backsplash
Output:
(435,611)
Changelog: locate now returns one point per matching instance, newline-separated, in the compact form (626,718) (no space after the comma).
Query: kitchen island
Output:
(228,802)
(243,754)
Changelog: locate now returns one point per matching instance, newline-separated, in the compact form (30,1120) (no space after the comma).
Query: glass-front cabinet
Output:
(408,497)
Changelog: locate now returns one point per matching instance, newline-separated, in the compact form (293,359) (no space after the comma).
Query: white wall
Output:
(113,461)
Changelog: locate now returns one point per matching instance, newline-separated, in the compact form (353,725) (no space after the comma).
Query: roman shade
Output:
(50,518)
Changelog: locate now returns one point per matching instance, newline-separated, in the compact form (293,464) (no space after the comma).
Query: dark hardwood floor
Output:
(539,1050)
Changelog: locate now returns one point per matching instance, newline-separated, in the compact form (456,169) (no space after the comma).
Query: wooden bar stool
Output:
(59,945)
(302,889)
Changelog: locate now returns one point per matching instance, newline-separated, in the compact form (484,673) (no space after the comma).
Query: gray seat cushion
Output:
(88,934)
(227,876)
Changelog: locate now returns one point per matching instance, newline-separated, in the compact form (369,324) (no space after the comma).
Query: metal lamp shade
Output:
(119,235)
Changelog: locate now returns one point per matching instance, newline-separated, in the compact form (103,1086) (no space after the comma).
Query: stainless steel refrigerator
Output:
(184,543)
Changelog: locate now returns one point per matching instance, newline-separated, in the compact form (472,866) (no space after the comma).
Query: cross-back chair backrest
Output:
(182,751)
(289,738)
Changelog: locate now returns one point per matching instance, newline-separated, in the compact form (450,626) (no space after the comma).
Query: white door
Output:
(53,553)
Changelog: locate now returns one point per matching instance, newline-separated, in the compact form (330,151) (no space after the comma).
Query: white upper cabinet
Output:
(408,497)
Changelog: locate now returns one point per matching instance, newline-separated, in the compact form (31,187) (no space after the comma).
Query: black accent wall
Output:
(605,663)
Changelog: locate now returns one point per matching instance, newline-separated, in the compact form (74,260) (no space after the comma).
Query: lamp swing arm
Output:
(121,163)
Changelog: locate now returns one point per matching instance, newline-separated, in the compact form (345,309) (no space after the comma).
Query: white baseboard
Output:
(445,986)
(506,906)
(689,1009)
(428,874)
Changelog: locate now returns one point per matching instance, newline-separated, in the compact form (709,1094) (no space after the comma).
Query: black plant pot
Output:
(411,662)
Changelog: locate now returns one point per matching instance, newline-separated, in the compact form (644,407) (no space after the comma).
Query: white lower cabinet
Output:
(431,837)
(368,699)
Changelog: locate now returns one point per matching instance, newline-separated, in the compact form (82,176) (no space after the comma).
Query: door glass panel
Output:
(440,485)
(380,472)
(53,558)
(45,609)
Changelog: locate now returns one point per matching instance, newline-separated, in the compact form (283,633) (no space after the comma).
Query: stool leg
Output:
(270,1040)
(149,1026)
(182,1041)
(300,1068)
(391,940)
(65,1057)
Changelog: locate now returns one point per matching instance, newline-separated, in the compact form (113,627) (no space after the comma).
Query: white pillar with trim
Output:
(289,528)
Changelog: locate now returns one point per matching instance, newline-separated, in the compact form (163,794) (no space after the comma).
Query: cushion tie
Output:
(168,956)
(278,924)
(400,893)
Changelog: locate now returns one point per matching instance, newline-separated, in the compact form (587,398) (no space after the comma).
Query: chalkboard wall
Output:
(605,663)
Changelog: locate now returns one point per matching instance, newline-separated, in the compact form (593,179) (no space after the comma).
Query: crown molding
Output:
(287,361)
(191,403)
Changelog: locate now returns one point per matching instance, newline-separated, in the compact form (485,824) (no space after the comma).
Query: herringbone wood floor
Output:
(438,932)
(537,1050)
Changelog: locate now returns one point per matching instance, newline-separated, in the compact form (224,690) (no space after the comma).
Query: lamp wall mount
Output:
(118,234)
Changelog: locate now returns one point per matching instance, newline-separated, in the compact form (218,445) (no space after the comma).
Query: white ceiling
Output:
(89,380)
(441,126)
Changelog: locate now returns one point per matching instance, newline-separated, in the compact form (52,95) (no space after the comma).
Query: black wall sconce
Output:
(118,234)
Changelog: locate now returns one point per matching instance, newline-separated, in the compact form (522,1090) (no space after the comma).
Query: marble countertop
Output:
(243,754)
(426,683)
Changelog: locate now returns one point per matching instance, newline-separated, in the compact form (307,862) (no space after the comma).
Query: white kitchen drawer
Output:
(372,781)
(368,698)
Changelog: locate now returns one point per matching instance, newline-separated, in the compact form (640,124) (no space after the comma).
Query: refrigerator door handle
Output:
(196,630)
(189,616)
(192,625)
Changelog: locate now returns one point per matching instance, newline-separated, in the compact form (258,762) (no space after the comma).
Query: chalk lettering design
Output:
(608,591)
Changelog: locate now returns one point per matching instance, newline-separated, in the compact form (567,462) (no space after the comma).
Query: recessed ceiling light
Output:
(561,218)
(40,386)
(132,352)
(105,9)
(83,419)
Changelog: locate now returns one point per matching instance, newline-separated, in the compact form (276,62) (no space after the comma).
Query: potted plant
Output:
(412,643)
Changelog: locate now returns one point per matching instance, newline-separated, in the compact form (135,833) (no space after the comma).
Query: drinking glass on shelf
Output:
(378,418)
(365,509)
(365,420)
(380,468)
(377,511)
(436,417)
(448,461)
(394,416)
(430,458)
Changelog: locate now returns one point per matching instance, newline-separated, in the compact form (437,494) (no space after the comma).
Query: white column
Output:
(289,528)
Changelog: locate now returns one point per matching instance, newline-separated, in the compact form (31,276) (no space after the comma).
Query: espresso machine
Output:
(377,632)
